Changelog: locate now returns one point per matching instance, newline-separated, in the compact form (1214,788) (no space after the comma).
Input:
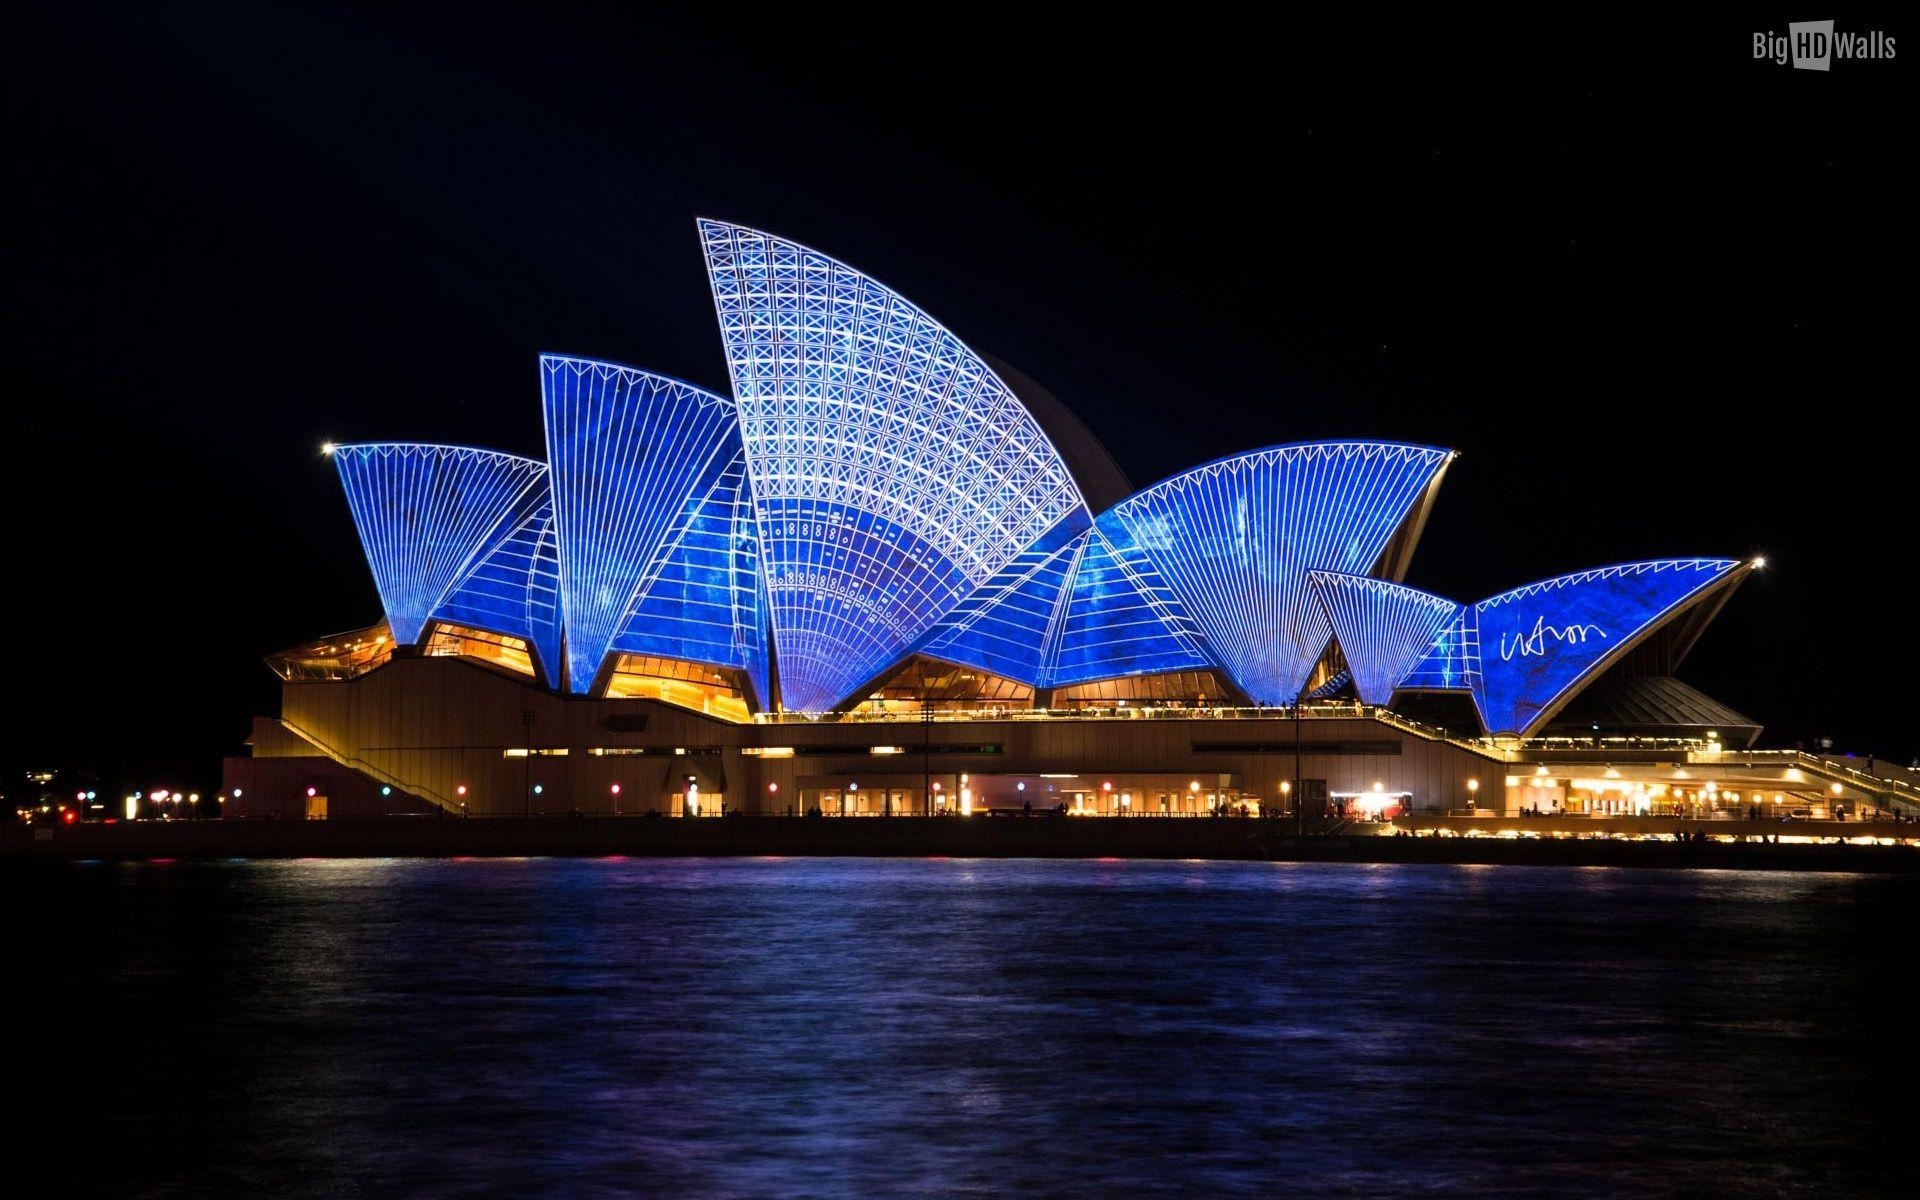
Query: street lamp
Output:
(615,792)
(1473,794)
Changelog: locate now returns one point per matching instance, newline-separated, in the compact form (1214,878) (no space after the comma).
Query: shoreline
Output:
(1225,839)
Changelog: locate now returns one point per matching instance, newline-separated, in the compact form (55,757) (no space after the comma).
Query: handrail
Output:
(1824,765)
(362,765)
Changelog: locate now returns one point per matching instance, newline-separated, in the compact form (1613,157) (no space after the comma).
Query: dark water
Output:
(957,1028)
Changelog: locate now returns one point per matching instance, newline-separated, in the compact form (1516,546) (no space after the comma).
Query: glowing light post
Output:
(615,792)
(966,796)
(773,797)
(1473,795)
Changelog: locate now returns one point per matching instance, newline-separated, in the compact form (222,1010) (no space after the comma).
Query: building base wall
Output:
(452,735)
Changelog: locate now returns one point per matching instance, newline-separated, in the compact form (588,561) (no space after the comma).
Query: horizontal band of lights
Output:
(515,589)
(428,514)
(892,471)
(1383,628)
(1236,538)
(629,451)
(703,602)
(1540,642)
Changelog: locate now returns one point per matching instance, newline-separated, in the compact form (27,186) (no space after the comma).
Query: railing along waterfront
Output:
(1338,711)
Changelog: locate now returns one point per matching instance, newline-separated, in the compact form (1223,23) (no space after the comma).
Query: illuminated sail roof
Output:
(629,450)
(892,471)
(1235,539)
(428,515)
(515,588)
(1542,642)
(1383,628)
(1451,662)
(1006,624)
(875,492)
(702,600)
(1119,617)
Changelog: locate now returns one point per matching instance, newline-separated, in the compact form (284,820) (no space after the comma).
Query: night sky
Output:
(1595,257)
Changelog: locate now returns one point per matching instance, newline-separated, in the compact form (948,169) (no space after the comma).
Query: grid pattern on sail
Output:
(892,471)
(515,588)
(426,514)
(703,602)
(1541,641)
(628,449)
(1383,628)
(1236,538)
(1451,661)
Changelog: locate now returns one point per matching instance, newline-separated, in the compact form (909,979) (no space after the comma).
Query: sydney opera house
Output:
(885,573)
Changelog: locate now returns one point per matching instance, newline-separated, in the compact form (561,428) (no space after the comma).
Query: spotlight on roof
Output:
(327,448)
(1759,561)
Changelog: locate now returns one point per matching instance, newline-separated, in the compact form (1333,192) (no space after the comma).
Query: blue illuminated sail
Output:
(515,588)
(1236,538)
(1007,623)
(428,514)
(628,451)
(1541,642)
(1383,628)
(892,471)
(702,599)
(1119,618)
(1451,662)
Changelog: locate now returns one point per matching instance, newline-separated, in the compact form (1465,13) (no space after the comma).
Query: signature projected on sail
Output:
(1543,637)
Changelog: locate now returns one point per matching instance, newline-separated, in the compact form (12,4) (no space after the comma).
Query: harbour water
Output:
(864,1027)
